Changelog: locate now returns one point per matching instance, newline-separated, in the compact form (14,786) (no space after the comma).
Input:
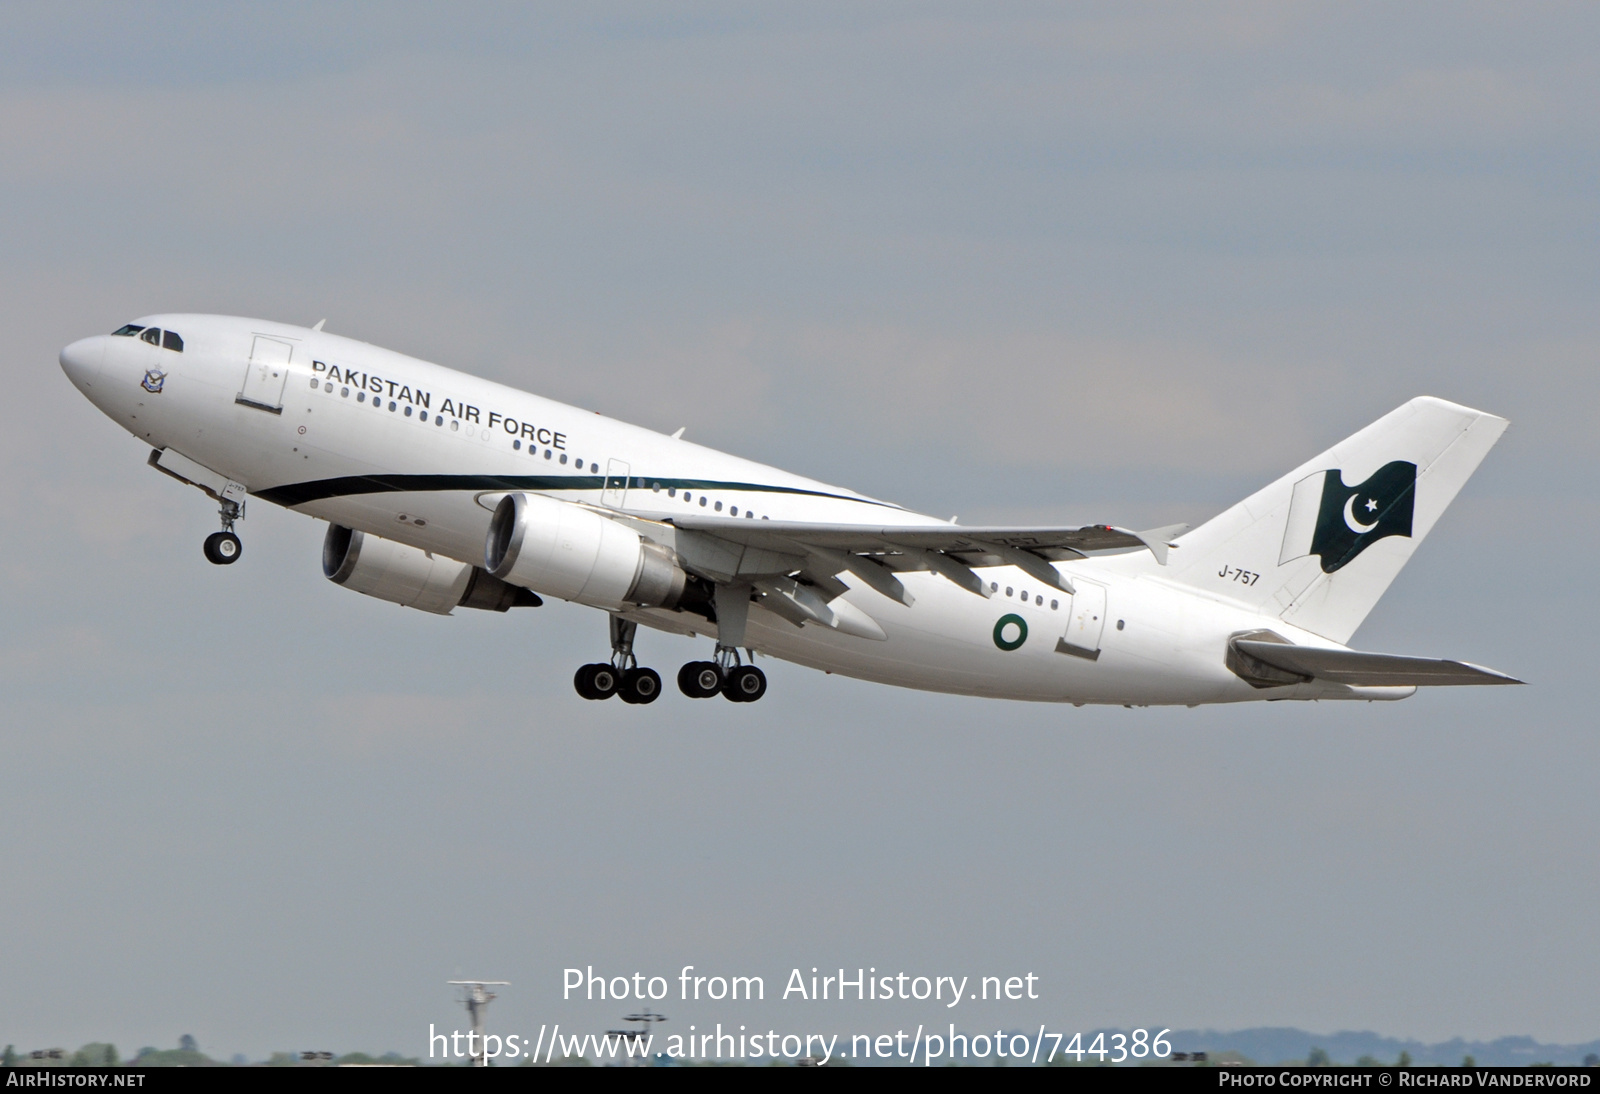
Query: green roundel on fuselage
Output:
(1010,620)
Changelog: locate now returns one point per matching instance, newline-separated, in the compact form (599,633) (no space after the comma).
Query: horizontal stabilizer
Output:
(1360,669)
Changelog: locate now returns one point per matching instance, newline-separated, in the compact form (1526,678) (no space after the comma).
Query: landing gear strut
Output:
(622,676)
(737,682)
(223,548)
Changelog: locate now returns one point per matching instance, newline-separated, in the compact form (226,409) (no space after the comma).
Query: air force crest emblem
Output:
(153,379)
(1337,522)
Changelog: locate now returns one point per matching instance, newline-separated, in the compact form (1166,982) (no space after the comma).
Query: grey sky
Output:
(1122,265)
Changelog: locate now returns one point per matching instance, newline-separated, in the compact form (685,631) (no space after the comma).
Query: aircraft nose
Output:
(81,360)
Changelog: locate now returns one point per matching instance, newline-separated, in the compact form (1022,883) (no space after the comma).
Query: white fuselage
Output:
(417,453)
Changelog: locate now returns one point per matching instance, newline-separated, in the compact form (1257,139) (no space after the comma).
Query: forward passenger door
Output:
(615,492)
(266,374)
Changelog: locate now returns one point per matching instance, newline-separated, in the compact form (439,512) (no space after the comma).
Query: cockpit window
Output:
(168,339)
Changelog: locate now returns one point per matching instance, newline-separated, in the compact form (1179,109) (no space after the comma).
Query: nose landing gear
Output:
(223,548)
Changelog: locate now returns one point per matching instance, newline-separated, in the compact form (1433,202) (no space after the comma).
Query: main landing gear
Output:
(223,548)
(622,677)
(737,683)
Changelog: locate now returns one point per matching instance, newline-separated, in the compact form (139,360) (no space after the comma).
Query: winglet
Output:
(678,436)
(1159,539)
(319,324)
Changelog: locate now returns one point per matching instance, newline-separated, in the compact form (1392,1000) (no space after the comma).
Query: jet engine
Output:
(576,554)
(412,577)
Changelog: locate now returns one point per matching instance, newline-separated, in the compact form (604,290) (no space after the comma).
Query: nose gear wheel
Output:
(223,548)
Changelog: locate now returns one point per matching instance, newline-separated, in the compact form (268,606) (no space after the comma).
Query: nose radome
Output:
(81,360)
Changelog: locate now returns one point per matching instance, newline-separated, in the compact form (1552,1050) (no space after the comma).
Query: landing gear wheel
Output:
(596,681)
(745,684)
(640,686)
(700,679)
(580,682)
(223,548)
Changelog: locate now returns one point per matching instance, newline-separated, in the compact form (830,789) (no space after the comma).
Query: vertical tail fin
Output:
(1321,545)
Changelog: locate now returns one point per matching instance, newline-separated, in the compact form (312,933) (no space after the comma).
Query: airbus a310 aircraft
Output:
(442,490)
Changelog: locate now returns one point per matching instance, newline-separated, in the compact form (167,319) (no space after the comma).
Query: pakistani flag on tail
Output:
(1337,522)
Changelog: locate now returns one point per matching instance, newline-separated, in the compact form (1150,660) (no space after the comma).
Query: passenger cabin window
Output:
(151,335)
(129,330)
(171,340)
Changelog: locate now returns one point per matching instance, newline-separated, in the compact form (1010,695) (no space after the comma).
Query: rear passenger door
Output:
(1085,622)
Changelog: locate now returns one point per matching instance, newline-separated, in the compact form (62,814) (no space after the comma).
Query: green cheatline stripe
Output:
(302,492)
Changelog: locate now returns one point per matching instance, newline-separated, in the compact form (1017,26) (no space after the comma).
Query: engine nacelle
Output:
(411,577)
(576,554)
